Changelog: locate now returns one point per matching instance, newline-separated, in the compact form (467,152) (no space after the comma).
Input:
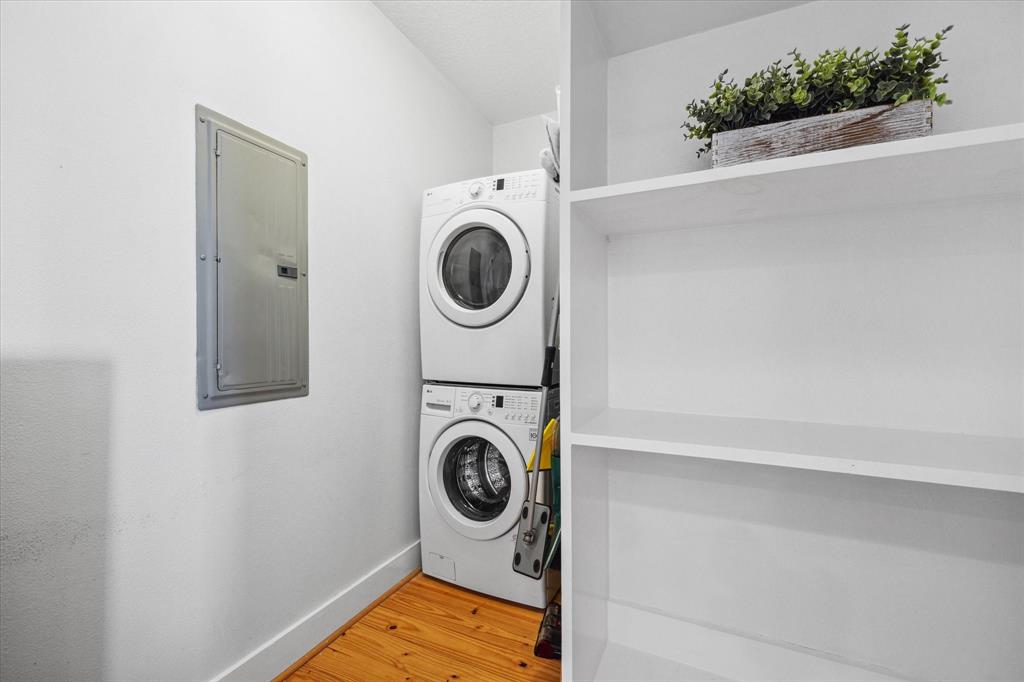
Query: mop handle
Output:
(545,385)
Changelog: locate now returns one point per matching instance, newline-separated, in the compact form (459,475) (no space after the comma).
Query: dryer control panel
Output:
(495,189)
(516,186)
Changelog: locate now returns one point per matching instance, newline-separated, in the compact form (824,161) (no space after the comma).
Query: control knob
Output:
(475,189)
(475,401)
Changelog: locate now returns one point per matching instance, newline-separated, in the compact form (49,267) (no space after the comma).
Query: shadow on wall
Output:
(54,451)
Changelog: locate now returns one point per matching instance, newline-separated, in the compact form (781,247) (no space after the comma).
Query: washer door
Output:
(477,479)
(478,266)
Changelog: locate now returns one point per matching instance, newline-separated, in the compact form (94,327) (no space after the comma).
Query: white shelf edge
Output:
(932,143)
(857,467)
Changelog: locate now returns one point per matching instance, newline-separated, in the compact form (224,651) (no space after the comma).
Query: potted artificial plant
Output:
(841,99)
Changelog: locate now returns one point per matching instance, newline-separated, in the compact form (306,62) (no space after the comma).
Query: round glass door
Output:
(478,267)
(477,479)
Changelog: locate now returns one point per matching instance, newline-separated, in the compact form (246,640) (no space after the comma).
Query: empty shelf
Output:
(987,462)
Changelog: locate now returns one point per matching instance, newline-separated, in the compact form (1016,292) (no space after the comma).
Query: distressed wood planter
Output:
(822,133)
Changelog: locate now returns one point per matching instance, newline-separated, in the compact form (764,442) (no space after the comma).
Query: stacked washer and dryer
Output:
(488,276)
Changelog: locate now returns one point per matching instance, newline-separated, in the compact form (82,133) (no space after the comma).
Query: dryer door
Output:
(477,267)
(477,479)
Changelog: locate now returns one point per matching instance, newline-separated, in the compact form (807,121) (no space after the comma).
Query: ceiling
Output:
(502,55)
(642,23)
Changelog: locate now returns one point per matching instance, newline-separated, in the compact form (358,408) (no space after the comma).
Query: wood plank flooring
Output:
(429,631)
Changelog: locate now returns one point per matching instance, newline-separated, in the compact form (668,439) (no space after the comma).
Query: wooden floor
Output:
(429,630)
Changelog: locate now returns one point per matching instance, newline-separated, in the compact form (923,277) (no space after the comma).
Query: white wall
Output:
(648,89)
(868,318)
(517,144)
(142,539)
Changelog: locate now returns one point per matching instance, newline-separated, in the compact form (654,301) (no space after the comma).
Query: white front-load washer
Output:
(474,446)
(488,276)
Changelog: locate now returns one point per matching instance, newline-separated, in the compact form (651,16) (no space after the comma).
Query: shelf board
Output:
(620,662)
(647,645)
(972,165)
(986,462)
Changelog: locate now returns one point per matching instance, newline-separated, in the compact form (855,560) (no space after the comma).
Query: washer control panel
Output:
(503,406)
(498,405)
(496,189)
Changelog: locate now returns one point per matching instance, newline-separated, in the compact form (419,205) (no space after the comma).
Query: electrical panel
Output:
(252,276)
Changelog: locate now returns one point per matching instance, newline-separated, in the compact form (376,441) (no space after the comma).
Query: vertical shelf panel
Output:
(588,95)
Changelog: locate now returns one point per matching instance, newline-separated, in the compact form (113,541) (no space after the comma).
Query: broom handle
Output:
(545,385)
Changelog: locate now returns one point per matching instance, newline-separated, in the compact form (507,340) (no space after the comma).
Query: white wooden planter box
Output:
(822,133)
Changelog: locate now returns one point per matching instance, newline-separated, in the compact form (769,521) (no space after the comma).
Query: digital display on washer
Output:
(499,185)
(499,401)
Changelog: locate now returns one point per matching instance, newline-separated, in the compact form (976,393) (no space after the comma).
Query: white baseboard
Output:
(292,643)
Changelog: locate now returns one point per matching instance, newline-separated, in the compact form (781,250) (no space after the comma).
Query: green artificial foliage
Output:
(837,80)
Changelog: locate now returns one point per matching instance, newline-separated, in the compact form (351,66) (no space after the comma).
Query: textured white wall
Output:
(648,89)
(142,539)
(517,144)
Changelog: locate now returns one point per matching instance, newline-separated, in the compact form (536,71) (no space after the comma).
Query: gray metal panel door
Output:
(257,234)
(251,265)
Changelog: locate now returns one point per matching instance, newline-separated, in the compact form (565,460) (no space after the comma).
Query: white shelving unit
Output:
(794,447)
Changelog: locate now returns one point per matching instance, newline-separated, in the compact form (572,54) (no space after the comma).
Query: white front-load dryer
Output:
(474,446)
(488,276)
